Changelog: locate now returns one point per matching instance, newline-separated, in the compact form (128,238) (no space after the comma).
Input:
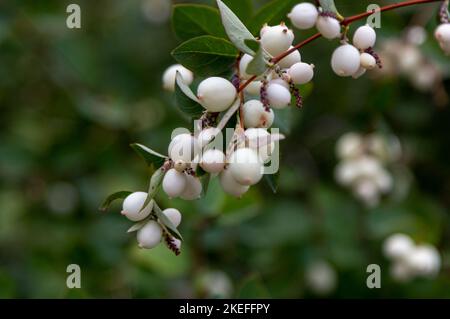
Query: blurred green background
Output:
(72,101)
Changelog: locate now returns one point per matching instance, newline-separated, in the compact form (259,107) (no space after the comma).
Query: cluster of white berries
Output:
(410,260)
(151,233)
(442,35)
(362,165)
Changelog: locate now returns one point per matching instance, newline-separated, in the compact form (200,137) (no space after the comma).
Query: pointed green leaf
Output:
(193,20)
(237,32)
(187,102)
(206,55)
(272,13)
(138,225)
(258,65)
(113,197)
(155,182)
(242,8)
(166,222)
(150,156)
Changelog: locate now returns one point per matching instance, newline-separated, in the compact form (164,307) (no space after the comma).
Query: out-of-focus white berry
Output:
(173,215)
(245,166)
(231,186)
(304,15)
(366,189)
(216,284)
(183,147)
(259,140)
(216,94)
(345,60)
(243,64)
(169,76)
(193,188)
(409,58)
(425,260)
(290,59)
(401,271)
(398,246)
(279,97)
(368,62)
(213,161)
(425,76)
(349,145)
(321,277)
(416,35)
(277,39)
(346,172)
(364,37)
(255,115)
(442,33)
(174,183)
(301,73)
(150,235)
(384,181)
(254,88)
(207,135)
(132,206)
(329,27)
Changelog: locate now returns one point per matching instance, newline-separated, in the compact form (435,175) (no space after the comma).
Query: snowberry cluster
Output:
(410,260)
(150,231)
(362,165)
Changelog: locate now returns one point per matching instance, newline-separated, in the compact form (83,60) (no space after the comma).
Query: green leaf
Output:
(237,32)
(258,65)
(328,6)
(187,102)
(138,225)
(272,13)
(166,222)
(272,181)
(206,55)
(113,197)
(150,156)
(155,182)
(193,20)
(242,8)
(205,179)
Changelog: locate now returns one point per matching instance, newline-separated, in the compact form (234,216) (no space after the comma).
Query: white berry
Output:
(213,161)
(425,260)
(174,183)
(303,15)
(279,81)
(442,33)
(255,115)
(216,94)
(245,166)
(301,73)
(132,206)
(349,145)
(193,188)
(206,136)
(398,246)
(290,59)
(364,37)
(150,235)
(258,139)
(368,62)
(345,60)
(279,97)
(173,215)
(231,186)
(277,39)
(254,88)
(183,147)
(169,76)
(329,27)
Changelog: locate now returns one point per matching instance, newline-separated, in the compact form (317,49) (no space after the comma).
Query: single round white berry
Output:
(169,76)
(398,246)
(425,260)
(254,88)
(301,73)
(207,135)
(183,147)
(255,115)
(216,94)
(243,64)
(150,235)
(279,97)
(367,191)
(442,33)
(364,37)
(279,81)
(368,62)
(132,206)
(321,277)
(231,186)
(345,60)
(329,27)
(245,166)
(213,161)
(290,59)
(303,15)
(349,145)
(346,172)
(174,183)
(277,39)
(193,188)
(173,215)
(259,140)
